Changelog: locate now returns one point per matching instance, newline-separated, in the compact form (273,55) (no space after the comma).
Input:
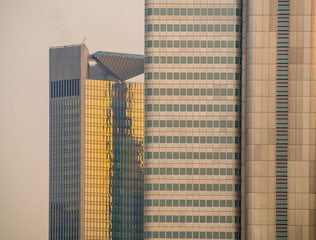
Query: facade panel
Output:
(279,156)
(113,165)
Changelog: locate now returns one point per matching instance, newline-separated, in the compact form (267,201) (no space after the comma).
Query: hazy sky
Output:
(28,29)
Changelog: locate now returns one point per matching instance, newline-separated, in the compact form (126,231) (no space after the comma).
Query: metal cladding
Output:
(123,66)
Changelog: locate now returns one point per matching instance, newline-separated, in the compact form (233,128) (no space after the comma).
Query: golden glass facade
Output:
(114,124)
(96,145)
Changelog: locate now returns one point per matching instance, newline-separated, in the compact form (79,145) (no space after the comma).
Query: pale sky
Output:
(28,29)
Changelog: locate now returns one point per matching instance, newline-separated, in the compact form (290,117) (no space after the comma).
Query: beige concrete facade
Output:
(302,121)
(209,33)
(263,19)
(260,120)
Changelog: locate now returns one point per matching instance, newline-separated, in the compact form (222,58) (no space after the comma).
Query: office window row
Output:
(191,75)
(192,60)
(195,123)
(192,203)
(192,187)
(193,155)
(192,139)
(193,12)
(193,28)
(192,92)
(64,88)
(192,107)
(192,235)
(192,171)
(191,219)
(192,44)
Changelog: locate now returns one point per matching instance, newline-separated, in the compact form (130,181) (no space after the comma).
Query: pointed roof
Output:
(123,66)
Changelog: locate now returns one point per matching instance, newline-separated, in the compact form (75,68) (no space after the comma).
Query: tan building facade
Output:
(276,47)
(279,164)
(192,114)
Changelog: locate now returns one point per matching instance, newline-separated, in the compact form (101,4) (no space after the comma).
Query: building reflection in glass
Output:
(96,145)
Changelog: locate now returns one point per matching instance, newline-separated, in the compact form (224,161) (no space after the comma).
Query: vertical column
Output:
(243,117)
(301,213)
(282,119)
(261,97)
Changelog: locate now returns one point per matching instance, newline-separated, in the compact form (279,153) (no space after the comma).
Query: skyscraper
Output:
(96,145)
(193,119)
(230,119)
(280,160)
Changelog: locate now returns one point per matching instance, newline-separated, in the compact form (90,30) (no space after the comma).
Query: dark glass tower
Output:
(96,145)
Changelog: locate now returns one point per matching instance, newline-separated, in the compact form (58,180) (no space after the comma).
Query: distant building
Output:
(96,145)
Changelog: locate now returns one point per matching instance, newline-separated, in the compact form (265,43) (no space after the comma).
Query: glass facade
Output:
(96,145)
(192,114)
(114,124)
(65,196)
(64,207)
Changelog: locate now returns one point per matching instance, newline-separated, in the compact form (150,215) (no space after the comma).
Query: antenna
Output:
(84,40)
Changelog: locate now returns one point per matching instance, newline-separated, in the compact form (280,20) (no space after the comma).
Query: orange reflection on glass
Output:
(114,125)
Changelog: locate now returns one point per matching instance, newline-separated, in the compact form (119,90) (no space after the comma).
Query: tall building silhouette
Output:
(96,145)
(230,119)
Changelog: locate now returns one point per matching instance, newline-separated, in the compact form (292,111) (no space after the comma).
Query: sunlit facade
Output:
(96,145)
